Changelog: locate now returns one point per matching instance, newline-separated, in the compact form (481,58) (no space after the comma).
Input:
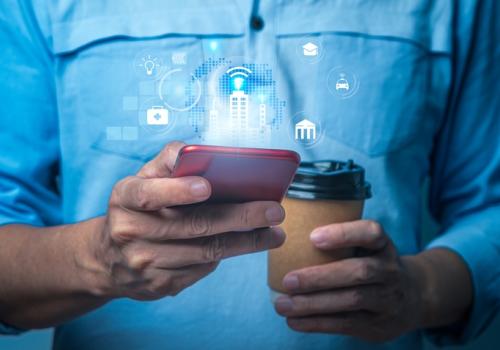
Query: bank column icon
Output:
(157,115)
(305,130)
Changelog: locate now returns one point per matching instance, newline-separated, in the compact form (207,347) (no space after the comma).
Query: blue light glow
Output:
(213,45)
(238,83)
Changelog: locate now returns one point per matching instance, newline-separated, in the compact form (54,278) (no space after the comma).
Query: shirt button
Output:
(257,23)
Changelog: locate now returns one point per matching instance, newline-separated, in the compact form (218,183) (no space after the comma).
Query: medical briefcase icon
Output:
(157,115)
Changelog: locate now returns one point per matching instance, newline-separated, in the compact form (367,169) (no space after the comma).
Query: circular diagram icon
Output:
(342,82)
(179,90)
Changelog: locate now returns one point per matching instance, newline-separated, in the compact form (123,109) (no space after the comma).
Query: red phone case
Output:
(239,174)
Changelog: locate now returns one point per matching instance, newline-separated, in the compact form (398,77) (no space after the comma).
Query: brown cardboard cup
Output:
(341,194)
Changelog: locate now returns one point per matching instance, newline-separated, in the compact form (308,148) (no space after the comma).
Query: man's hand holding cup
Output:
(372,296)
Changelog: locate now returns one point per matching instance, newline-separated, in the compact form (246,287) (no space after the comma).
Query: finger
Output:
(163,164)
(352,323)
(350,299)
(140,194)
(189,275)
(181,253)
(169,282)
(362,233)
(207,220)
(338,274)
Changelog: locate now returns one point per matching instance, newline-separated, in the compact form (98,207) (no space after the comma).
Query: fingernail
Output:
(291,282)
(279,236)
(283,304)
(199,189)
(275,215)
(317,237)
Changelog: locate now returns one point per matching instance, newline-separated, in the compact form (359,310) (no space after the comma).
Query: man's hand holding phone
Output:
(158,237)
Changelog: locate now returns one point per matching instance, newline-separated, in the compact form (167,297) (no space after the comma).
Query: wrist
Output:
(421,290)
(89,259)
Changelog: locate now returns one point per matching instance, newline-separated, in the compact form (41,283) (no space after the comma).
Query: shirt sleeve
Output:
(29,154)
(465,175)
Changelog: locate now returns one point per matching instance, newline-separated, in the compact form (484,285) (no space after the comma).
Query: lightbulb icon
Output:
(150,63)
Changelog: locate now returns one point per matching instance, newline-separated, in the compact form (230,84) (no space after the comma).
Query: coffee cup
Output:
(321,193)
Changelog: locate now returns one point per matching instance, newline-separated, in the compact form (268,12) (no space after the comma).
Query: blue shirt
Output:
(424,103)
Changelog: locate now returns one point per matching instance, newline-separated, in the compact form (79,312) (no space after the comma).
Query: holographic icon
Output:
(154,117)
(241,105)
(238,100)
(342,82)
(305,130)
(179,58)
(262,116)
(310,49)
(157,115)
(150,63)
(179,90)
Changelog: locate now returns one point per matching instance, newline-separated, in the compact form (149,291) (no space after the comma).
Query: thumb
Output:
(163,164)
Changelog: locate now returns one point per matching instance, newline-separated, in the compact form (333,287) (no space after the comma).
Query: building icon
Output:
(238,107)
(305,130)
(262,116)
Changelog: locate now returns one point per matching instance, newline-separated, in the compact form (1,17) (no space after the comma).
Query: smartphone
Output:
(238,174)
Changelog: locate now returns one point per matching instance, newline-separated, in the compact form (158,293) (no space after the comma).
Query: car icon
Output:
(342,84)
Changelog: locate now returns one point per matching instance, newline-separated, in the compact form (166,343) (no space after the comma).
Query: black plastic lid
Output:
(330,180)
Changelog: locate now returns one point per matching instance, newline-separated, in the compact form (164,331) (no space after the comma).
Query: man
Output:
(94,228)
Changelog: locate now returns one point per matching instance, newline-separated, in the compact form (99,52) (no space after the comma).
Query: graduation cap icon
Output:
(310,49)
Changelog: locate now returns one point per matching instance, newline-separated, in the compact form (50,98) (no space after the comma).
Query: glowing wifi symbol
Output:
(239,74)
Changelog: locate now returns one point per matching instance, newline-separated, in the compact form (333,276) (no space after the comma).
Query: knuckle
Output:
(343,233)
(114,199)
(245,216)
(393,273)
(313,279)
(214,248)
(257,240)
(199,223)
(138,261)
(142,198)
(365,272)
(173,146)
(397,295)
(122,231)
(355,300)
(302,303)
(176,286)
(161,286)
(211,267)
(117,193)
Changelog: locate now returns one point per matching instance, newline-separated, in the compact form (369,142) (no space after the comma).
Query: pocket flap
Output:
(155,20)
(424,23)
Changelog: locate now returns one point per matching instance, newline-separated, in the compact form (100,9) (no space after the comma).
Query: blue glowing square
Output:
(130,133)
(130,103)
(113,133)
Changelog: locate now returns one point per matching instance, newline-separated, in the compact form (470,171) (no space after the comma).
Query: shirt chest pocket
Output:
(111,63)
(373,73)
